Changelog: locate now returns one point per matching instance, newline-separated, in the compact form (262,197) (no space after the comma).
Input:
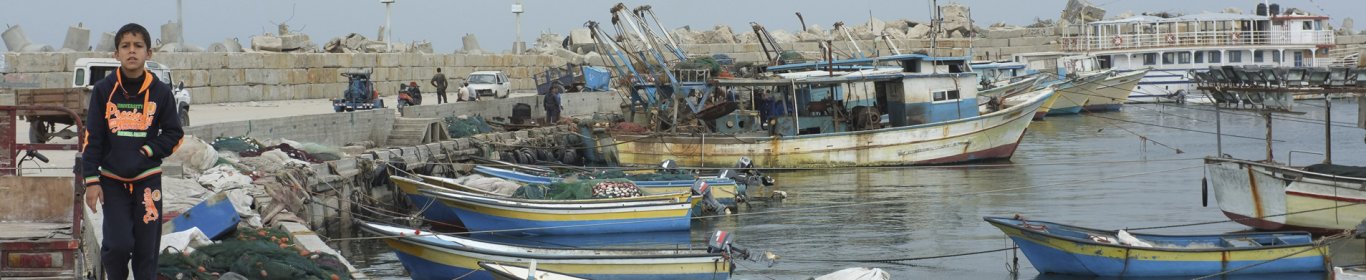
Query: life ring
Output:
(1236,35)
(1171,38)
(1118,41)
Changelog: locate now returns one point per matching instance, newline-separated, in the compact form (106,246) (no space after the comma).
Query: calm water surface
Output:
(1085,170)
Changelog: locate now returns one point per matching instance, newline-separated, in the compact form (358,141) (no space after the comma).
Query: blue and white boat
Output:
(1064,249)
(434,256)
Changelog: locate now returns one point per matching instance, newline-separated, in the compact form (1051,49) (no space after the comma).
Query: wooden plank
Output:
(36,199)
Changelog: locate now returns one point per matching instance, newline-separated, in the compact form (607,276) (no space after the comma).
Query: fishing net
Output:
(459,127)
(255,253)
(237,144)
(658,176)
(579,189)
(287,149)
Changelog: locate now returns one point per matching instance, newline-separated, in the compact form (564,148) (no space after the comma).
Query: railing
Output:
(1195,39)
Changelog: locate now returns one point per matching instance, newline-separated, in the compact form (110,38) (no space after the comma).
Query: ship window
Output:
(1276,57)
(1258,56)
(1183,58)
(1149,59)
(1214,57)
(945,95)
(1199,57)
(1235,57)
(1168,58)
(1308,25)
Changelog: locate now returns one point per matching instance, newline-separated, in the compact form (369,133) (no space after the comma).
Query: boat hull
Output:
(1272,197)
(1052,254)
(990,136)
(431,209)
(723,190)
(1073,96)
(1114,91)
(430,257)
(486,214)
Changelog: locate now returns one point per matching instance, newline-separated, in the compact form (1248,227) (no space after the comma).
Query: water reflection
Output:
(1081,170)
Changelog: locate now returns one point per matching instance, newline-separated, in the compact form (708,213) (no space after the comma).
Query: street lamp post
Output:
(388,29)
(518,45)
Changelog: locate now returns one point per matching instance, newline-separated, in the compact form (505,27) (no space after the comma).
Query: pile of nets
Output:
(653,176)
(629,128)
(459,127)
(256,254)
(287,149)
(579,189)
(236,145)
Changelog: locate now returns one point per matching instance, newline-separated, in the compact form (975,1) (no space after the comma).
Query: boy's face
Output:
(132,53)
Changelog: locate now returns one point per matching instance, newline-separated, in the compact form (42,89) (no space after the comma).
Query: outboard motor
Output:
(720,242)
(708,203)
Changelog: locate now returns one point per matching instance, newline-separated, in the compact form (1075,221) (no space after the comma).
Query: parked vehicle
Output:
(360,93)
(490,83)
(85,73)
(41,217)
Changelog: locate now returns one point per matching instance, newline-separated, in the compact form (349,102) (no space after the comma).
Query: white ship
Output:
(1173,46)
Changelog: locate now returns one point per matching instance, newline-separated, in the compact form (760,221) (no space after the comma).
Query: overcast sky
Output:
(443,22)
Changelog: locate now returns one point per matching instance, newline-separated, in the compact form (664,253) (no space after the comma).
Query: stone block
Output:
(245,60)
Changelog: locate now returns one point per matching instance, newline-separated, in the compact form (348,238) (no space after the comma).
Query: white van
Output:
(90,70)
(495,83)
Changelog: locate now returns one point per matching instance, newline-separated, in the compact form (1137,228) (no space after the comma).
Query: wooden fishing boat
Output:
(723,190)
(448,184)
(1114,91)
(1317,198)
(435,211)
(536,217)
(1265,194)
(427,256)
(1064,249)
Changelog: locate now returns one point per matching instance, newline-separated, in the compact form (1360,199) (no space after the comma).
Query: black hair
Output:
(133,28)
(438,70)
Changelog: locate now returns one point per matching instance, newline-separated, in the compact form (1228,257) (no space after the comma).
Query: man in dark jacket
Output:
(131,125)
(552,104)
(439,81)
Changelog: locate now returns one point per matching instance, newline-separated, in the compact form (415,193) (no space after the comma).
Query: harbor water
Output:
(1090,170)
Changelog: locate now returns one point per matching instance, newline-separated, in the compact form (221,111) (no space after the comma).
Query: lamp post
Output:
(518,46)
(388,29)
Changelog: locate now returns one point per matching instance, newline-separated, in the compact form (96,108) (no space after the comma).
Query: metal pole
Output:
(180,21)
(388,28)
(1218,132)
(1267,116)
(1327,128)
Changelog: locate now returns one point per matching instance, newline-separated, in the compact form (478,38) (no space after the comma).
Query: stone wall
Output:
(575,104)
(332,128)
(238,77)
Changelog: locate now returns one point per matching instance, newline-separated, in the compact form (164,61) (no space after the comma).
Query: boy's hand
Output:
(93,196)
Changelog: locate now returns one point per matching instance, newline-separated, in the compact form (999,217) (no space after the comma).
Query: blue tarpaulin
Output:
(596,78)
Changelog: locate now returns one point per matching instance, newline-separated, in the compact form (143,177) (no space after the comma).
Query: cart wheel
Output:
(39,132)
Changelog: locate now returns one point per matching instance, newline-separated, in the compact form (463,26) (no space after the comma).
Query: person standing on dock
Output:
(552,104)
(131,125)
(439,81)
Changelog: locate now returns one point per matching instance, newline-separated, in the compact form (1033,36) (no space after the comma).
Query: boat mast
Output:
(1327,129)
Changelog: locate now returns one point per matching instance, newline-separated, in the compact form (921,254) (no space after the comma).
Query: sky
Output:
(444,22)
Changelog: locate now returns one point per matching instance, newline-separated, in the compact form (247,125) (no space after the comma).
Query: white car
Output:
(90,70)
(494,83)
